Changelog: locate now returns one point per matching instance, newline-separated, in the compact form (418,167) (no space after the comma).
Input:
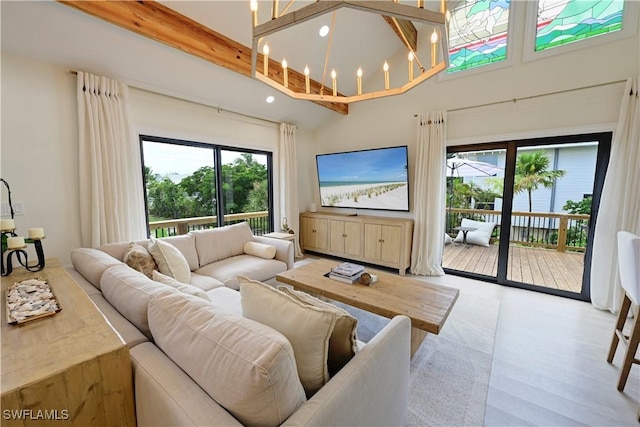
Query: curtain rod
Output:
(220,110)
(514,100)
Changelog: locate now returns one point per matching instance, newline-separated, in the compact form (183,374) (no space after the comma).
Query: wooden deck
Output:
(537,266)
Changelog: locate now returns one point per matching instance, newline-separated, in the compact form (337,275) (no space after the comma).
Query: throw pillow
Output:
(170,260)
(307,328)
(139,258)
(343,343)
(182,287)
(247,368)
(481,236)
(260,250)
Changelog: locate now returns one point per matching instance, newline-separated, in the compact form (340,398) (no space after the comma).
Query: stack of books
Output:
(347,272)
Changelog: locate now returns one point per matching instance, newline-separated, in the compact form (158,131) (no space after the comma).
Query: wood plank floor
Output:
(550,361)
(537,266)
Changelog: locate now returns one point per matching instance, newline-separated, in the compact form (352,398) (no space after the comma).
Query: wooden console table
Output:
(70,369)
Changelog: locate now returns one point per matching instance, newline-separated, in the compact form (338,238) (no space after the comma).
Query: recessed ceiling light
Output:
(324,30)
(270,99)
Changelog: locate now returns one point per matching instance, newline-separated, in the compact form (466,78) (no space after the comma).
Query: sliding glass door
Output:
(543,200)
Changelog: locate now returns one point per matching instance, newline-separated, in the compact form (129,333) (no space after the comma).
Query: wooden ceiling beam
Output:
(158,22)
(405,30)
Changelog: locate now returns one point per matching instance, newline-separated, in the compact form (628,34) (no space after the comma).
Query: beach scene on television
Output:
(369,179)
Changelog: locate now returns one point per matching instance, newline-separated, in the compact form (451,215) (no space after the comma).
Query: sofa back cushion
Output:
(92,263)
(186,244)
(222,242)
(129,292)
(247,368)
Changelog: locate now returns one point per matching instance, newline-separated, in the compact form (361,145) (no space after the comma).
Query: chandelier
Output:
(279,76)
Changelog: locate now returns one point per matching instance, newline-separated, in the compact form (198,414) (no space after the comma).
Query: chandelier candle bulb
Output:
(434,40)
(385,68)
(286,73)
(36,233)
(7,225)
(306,79)
(411,57)
(265,52)
(334,83)
(15,242)
(359,80)
(253,5)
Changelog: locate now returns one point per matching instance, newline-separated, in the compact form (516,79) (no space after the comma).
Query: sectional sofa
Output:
(198,358)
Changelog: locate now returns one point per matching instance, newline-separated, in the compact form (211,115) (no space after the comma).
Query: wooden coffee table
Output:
(427,305)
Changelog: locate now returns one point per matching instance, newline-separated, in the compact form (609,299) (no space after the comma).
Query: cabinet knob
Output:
(344,235)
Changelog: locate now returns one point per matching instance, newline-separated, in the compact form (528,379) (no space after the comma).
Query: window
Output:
(478,32)
(562,22)
(191,186)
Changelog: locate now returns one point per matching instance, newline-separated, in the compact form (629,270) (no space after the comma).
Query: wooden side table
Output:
(281,236)
(71,369)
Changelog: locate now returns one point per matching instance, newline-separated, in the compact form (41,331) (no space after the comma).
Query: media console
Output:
(371,239)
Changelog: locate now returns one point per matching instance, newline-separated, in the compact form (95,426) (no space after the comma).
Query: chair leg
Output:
(622,317)
(630,355)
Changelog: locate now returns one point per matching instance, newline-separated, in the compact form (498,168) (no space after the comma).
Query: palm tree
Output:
(531,173)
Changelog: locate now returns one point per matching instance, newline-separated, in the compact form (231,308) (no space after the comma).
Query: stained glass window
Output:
(567,21)
(478,33)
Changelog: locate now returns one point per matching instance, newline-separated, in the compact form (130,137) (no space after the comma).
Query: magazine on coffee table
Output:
(347,269)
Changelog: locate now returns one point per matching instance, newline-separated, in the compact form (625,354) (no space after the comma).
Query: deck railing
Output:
(543,229)
(258,221)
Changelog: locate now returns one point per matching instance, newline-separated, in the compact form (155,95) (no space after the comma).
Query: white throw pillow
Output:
(260,250)
(170,260)
(480,236)
(182,287)
(247,368)
(343,343)
(307,328)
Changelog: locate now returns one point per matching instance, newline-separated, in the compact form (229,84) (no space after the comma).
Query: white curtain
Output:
(429,195)
(111,194)
(289,181)
(620,203)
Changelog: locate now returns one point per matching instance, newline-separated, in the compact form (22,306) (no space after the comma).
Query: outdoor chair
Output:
(629,266)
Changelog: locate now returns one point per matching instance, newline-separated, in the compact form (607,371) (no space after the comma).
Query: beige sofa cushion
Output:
(129,292)
(92,263)
(182,287)
(227,270)
(225,300)
(308,328)
(206,283)
(343,343)
(222,242)
(186,244)
(247,368)
(139,258)
(260,250)
(170,260)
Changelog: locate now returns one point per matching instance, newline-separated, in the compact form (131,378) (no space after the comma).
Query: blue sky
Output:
(372,165)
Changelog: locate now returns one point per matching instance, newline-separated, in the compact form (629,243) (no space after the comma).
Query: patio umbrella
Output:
(460,167)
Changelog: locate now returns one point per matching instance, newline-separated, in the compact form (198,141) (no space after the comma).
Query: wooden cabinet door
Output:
(352,238)
(337,236)
(391,240)
(321,234)
(306,237)
(372,237)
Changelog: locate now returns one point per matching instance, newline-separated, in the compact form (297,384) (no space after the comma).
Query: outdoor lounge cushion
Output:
(480,236)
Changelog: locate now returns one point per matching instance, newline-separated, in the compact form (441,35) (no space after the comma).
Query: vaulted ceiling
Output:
(60,34)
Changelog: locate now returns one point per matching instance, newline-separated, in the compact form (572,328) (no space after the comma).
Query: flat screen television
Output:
(365,179)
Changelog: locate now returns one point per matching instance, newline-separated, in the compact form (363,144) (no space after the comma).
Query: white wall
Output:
(39,143)
(391,121)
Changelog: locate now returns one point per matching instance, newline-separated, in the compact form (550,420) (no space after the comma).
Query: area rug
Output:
(450,372)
